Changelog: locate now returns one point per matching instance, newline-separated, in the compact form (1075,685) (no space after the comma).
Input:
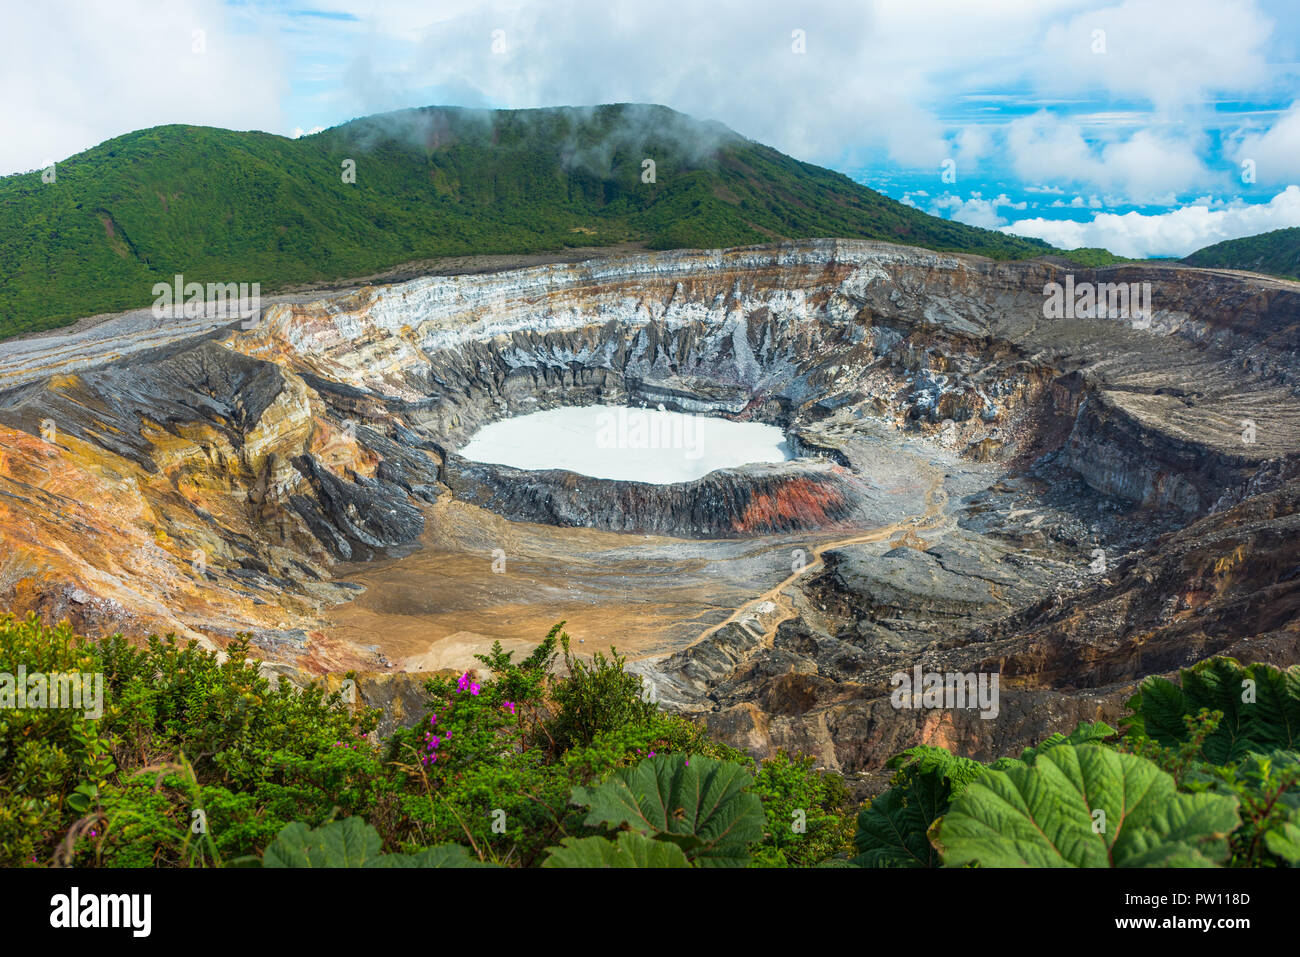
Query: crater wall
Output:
(170,479)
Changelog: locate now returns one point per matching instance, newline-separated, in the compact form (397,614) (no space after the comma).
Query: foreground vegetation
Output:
(224,206)
(197,762)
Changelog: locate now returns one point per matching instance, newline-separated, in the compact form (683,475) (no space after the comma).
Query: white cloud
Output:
(972,144)
(877,77)
(1140,167)
(874,78)
(1274,152)
(976,211)
(1175,233)
(75,74)
(1078,202)
(1172,56)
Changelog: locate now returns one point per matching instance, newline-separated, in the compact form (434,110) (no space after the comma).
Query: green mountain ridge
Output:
(1275,253)
(222,206)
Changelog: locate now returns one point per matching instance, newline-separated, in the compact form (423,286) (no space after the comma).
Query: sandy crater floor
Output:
(647,595)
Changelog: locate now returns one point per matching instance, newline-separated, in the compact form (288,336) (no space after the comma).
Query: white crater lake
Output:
(626,444)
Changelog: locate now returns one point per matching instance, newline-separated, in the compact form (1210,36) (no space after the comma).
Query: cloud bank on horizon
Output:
(1148,127)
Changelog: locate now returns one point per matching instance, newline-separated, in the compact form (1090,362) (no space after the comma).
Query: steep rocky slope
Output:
(1067,503)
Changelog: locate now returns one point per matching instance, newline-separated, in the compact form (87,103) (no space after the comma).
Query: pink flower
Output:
(474,689)
(509,706)
(463,681)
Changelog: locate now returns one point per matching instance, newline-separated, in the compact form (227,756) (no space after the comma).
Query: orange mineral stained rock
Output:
(797,503)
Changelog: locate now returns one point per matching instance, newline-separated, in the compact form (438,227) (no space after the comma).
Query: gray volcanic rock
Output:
(357,515)
(1069,504)
(750,500)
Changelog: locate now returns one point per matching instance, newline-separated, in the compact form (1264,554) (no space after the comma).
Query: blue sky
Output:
(1151,127)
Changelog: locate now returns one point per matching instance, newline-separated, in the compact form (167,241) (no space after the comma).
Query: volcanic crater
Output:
(1069,503)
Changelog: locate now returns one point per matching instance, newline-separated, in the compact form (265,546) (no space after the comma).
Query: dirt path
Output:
(935,500)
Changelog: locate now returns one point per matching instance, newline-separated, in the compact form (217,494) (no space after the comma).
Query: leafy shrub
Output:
(167,707)
(353,843)
(595,698)
(1223,797)
(154,819)
(808,815)
(1267,788)
(700,805)
(479,766)
(197,762)
(628,849)
(892,829)
(660,734)
(1084,806)
(1259,707)
(46,755)
(227,716)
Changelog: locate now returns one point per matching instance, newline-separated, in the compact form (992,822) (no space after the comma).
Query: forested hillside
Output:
(1276,253)
(222,206)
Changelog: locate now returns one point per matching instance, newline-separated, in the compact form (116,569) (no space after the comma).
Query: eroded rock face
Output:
(1071,504)
(753,500)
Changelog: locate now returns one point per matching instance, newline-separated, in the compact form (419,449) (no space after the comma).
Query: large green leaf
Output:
(1284,839)
(353,843)
(347,843)
(630,849)
(1268,783)
(699,804)
(1267,778)
(892,829)
(444,855)
(1045,815)
(1260,705)
(927,760)
(1085,733)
